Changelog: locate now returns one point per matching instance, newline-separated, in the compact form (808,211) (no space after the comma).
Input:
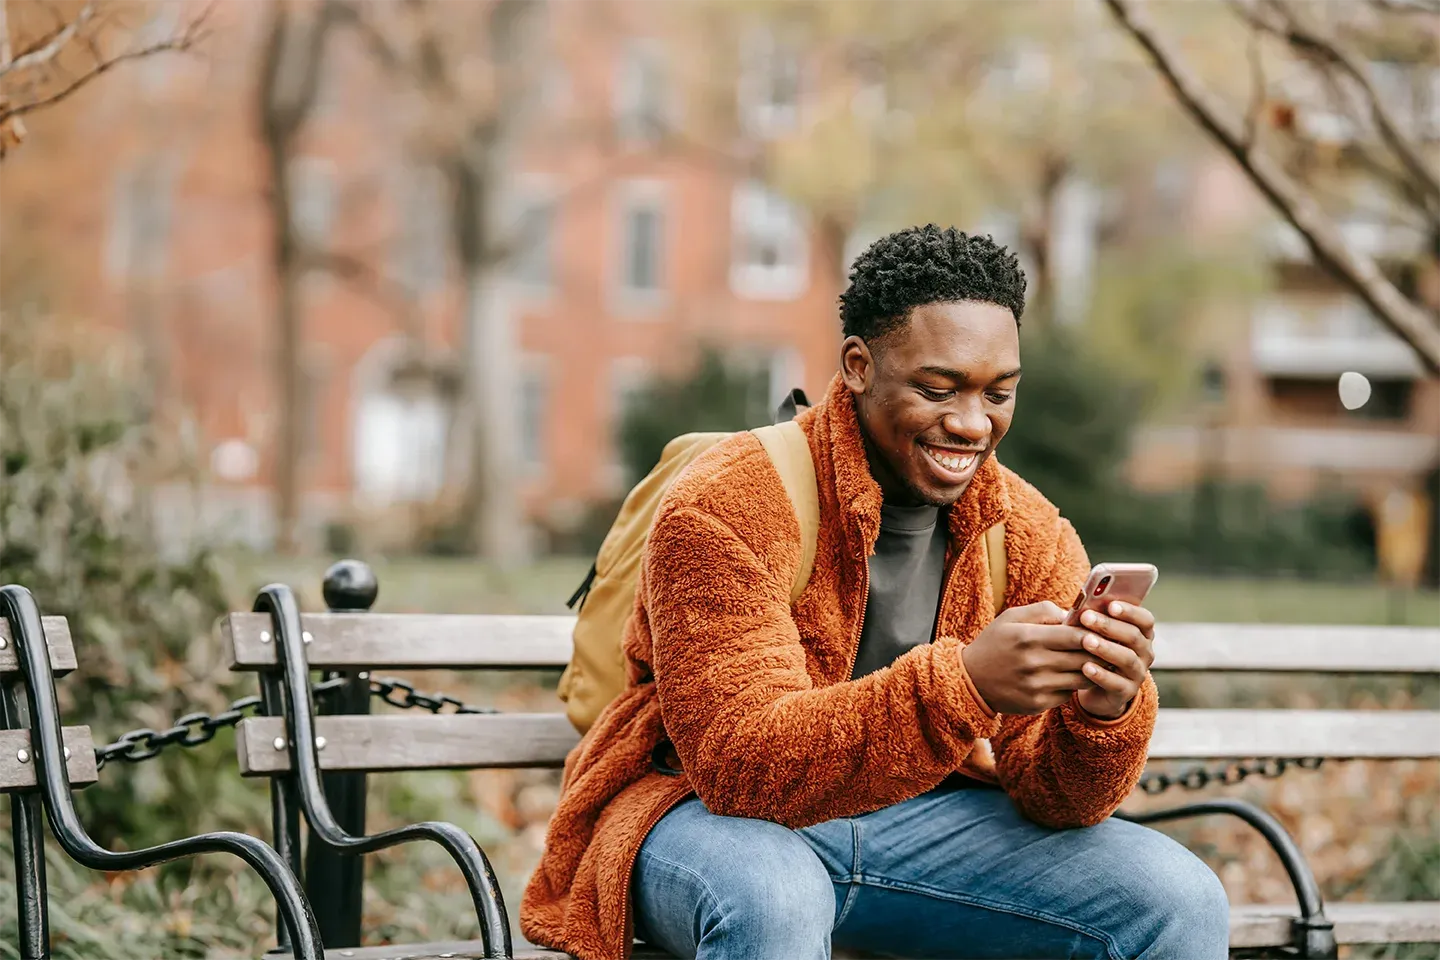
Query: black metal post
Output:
(28,831)
(335,880)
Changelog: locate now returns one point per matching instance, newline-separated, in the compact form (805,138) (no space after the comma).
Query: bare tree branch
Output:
(194,32)
(1428,8)
(52,47)
(1359,272)
(1306,37)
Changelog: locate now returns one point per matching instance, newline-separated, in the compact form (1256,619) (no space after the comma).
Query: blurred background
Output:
(432,283)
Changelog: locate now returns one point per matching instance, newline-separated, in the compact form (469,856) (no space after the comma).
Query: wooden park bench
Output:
(323,782)
(347,642)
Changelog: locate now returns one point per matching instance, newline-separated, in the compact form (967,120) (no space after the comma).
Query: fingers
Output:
(1139,616)
(1118,685)
(1122,632)
(1043,612)
(1122,657)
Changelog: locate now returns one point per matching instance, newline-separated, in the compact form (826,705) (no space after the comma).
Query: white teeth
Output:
(954,463)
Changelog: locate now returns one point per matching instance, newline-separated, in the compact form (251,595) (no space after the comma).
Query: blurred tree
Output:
(971,112)
(714,395)
(476,68)
(1338,93)
(50,49)
(292,59)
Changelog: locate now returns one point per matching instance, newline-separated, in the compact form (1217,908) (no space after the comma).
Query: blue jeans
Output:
(953,873)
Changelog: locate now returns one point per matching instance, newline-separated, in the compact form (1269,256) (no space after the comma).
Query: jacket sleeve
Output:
(754,734)
(1064,767)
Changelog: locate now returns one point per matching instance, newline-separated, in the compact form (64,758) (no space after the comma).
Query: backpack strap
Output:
(789,450)
(995,560)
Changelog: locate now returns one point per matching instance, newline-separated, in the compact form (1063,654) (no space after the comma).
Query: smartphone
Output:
(1127,582)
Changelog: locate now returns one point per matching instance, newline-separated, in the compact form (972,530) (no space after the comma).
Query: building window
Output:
(141,215)
(642,93)
(769,92)
(420,255)
(642,243)
(770,258)
(312,198)
(533,391)
(533,266)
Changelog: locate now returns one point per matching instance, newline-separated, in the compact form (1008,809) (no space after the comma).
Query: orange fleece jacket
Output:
(755,694)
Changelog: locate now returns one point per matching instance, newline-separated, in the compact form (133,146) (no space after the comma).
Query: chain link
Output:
(400,694)
(193,729)
(1229,774)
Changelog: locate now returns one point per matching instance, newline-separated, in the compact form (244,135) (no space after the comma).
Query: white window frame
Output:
(313,197)
(534,193)
(760,216)
(534,369)
(421,236)
(643,96)
(762,54)
(629,196)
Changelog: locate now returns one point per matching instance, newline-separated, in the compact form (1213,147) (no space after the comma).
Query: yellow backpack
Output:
(596,672)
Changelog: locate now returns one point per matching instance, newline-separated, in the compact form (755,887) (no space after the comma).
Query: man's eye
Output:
(936,394)
(998,397)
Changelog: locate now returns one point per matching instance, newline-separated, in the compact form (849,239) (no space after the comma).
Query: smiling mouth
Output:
(954,463)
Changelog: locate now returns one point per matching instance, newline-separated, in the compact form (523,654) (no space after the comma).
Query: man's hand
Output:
(1126,641)
(1029,661)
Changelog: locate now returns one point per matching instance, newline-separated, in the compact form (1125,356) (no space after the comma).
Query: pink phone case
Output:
(1128,582)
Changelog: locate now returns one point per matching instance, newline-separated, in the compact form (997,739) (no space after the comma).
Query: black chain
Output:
(400,694)
(193,729)
(1229,774)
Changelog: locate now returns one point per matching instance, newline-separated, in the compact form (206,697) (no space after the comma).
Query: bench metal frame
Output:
(293,698)
(39,712)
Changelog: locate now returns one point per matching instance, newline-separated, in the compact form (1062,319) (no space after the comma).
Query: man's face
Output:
(935,397)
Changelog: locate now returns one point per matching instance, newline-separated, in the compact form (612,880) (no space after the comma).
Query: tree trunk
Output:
(490,514)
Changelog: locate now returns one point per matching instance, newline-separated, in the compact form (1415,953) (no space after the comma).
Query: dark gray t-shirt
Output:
(907,571)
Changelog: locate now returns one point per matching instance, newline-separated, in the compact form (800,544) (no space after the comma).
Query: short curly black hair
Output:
(920,265)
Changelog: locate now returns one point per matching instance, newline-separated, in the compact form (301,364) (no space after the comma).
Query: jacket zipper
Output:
(628,946)
(860,627)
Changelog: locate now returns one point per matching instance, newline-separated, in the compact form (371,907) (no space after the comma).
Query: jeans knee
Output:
(1185,912)
(783,903)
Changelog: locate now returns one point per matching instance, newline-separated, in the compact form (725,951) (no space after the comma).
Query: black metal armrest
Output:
(20,609)
(299,709)
(1313,933)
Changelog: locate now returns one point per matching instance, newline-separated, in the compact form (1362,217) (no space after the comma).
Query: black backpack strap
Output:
(791,406)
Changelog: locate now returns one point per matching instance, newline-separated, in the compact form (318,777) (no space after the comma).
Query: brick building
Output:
(146,194)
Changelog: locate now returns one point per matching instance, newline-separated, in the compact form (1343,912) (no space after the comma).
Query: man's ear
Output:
(857,364)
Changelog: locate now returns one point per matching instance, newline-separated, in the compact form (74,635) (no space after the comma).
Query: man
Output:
(835,786)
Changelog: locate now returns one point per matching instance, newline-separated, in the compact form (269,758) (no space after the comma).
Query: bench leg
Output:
(1312,933)
(27,829)
(335,881)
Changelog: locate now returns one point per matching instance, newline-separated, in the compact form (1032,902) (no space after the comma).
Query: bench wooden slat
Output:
(1222,734)
(15,775)
(380,743)
(1251,926)
(1283,647)
(407,641)
(57,638)
(420,641)
(1269,926)
(463,741)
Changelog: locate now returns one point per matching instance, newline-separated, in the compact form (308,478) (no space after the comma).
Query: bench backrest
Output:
(389,742)
(17,764)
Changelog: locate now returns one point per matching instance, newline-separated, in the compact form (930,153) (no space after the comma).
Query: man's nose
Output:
(966,421)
